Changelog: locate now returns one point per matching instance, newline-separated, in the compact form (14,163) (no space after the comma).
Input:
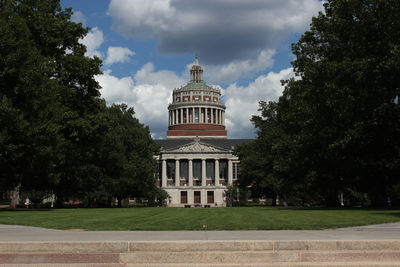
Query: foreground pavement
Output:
(390,231)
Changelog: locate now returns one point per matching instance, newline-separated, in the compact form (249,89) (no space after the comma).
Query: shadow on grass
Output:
(24,209)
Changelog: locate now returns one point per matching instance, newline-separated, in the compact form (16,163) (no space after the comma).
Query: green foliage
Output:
(337,126)
(56,134)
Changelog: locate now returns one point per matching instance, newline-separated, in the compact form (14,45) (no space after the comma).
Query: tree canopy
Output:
(56,133)
(336,128)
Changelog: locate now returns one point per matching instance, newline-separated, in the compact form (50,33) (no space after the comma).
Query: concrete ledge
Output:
(64,246)
(65,265)
(211,257)
(59,258)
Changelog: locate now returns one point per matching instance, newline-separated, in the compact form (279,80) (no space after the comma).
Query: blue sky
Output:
(147,47)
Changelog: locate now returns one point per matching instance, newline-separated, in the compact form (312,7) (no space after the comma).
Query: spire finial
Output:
(196,60)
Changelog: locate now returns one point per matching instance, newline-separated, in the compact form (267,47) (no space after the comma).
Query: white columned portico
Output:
(164,173)
(190,172)
(230,172)
(216,172)
(177,176)
(203,173)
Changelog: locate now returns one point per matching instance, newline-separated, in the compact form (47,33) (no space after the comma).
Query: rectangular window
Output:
(185,99)
(178,99)
(210,169)
(236,170)
(196,98)
(158,170)
(184,169)
(223,169)
(197,169)
(197,197)
(183,197)
(210,197)
(171,169)
(196,115)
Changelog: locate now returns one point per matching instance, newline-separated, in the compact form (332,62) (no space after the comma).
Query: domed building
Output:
(196,164)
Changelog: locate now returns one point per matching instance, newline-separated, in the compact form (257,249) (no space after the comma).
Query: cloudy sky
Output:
(148,46)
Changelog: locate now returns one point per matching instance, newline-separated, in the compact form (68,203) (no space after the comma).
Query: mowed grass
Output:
(236,218)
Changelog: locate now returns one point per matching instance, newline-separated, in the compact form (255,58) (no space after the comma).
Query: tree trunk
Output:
(274,196)
(119,202)
(15,197)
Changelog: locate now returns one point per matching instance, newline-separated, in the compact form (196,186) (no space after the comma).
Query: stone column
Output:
(212,115)
(203,172)
(164,173)
(181,110)
(216,172)
(230,170)
(190,172)
(176,116)
(187,115)
(177,173)
(223,117)
(201,115)
(193,115)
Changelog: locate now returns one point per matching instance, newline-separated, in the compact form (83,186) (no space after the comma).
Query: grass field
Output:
(238,218)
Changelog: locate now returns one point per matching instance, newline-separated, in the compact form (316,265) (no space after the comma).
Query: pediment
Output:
(196,147)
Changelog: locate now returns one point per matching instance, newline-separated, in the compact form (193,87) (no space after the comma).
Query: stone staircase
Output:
(201,253)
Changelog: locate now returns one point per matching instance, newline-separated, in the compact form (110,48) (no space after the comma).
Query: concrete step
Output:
(259,256)
(201,253)
(282,264)
(64,265)
(40,257)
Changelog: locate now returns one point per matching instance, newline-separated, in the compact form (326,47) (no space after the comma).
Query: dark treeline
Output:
(57,136)
(335,131)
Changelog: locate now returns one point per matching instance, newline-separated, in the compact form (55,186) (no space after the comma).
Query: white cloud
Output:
(242,102)
(239,68)
(78,17)
(148,91)
(93,41)
(117,54)
(231,35)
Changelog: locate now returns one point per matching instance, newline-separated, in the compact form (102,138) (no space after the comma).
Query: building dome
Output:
(196,109)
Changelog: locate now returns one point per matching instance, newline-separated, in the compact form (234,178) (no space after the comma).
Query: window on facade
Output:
(197,169)
(210,169)
(196,98)
(178,99)
(210,197)
(235,170)
(158,170)
(184,169)
(185,98)
(196,115)
(206,98)
(215,99)
(171,169)
(183,197)
(223,169)
(197,197)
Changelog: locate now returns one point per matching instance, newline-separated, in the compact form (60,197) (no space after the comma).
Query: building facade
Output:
(196,163)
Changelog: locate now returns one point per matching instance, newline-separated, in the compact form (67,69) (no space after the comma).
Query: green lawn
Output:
(240,218)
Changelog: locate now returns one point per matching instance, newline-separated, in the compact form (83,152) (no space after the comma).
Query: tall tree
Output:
(340,116)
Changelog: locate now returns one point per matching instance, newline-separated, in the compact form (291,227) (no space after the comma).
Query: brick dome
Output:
(196,109)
